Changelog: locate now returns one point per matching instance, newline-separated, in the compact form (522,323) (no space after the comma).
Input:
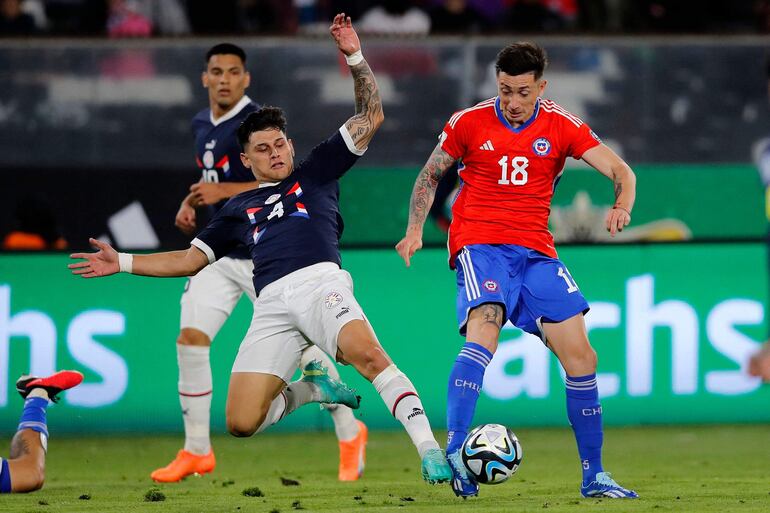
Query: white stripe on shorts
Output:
(472,272)
(470,291)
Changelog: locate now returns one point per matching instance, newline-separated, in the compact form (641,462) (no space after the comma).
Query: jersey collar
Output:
(230,114)
(508,125)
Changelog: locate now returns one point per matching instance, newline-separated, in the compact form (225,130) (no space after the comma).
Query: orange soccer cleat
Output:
(353,455)
(185,464)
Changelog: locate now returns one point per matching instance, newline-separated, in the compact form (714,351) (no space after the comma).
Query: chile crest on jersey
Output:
(541,146)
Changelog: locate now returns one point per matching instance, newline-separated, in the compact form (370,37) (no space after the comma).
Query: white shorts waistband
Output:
(298,276)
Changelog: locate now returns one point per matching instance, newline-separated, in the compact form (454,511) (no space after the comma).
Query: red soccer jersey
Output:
(509,174)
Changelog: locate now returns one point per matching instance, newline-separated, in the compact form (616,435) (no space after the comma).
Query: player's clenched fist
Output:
(185,219)
(408,246)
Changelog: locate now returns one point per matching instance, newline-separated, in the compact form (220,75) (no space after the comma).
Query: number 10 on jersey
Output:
(518,173)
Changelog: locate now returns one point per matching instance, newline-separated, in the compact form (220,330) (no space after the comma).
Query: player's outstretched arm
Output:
(369,115)
(608,163)
(107,261)
(422,198)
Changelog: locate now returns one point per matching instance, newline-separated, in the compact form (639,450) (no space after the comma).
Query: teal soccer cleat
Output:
(604,486)
(332,391)
(435,468)
(462,483)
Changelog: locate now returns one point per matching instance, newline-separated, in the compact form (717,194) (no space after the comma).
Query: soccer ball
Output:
(491,453)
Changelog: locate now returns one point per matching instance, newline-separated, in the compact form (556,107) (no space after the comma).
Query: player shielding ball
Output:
(511,150)
(291,225)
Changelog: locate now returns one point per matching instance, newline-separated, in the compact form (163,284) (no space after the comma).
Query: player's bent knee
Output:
(246,423)
(38,480)
(242,428)
(192,337)
(372,361)
(582,363)
(31,478)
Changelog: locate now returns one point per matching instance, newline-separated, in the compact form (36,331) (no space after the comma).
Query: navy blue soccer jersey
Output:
(287,225)
(217,151)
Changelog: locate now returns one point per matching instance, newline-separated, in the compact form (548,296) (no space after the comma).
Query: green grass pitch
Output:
(685,468)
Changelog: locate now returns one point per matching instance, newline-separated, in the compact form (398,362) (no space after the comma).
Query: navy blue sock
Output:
(5,476)
(585,416)
(465,382)
(33,416)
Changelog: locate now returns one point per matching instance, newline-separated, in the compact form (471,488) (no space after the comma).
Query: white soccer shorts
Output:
(310,305)
(211,295)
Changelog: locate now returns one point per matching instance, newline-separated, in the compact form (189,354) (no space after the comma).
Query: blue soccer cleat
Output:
(332,391)
(462,483)
(604,486)
(435,468)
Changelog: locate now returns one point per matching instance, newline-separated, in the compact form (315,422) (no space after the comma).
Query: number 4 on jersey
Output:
(277,211)
(518,173)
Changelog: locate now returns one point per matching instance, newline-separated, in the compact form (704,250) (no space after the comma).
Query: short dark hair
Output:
(522,57)
(264,119)
(226,49)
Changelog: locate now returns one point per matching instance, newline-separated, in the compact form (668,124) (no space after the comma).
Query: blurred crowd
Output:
(149,18)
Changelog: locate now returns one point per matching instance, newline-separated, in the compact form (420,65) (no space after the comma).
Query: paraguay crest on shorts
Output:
(332,299)
(541,146)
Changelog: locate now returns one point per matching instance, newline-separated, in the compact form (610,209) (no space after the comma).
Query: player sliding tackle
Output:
(291,226)
(512,149)
(24,471)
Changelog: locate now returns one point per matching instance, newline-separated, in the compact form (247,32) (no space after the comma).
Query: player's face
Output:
(226,79)
(269,155)
(518,94)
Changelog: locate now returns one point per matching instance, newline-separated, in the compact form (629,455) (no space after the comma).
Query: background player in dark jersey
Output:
(291,225)
(211,295)
(25,470)
(512,150)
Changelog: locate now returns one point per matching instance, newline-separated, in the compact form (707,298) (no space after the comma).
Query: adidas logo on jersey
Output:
(487,146)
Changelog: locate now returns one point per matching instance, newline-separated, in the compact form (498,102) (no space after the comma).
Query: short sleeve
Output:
(582,139)
(331,159)
(220,236)
(453,138)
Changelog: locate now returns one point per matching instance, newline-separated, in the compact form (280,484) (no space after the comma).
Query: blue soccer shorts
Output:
(533,288)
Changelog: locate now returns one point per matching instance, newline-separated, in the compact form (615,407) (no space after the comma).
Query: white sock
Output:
(403,402)
(279,408)
(195,386)
(345,425)
(290,398)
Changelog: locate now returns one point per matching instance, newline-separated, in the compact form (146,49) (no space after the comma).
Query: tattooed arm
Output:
(422,199)
(369,115)
(608,163)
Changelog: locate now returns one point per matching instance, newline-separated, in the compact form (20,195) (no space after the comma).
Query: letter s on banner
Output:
(108,364)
